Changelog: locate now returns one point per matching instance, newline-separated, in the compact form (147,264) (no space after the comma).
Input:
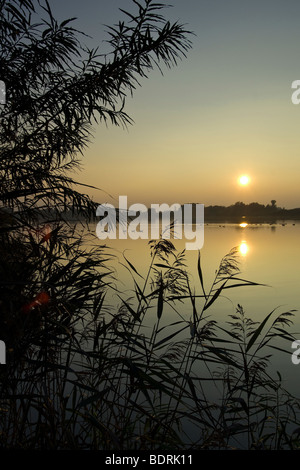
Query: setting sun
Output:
(244,180)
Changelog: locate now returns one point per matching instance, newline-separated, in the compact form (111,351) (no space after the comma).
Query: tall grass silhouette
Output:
(84,371)
(88,374)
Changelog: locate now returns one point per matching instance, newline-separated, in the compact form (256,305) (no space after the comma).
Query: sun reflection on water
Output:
(244,248)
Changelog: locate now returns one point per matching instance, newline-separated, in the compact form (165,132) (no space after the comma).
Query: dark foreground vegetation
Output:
(83,372)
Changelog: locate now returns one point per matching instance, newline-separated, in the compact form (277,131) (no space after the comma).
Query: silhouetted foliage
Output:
(253,213)
(81,373)
(56,90)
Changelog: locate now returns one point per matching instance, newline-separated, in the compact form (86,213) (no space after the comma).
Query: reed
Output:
(84,373)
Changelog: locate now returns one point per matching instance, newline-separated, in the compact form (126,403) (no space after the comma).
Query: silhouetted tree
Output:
(56,90)
(273,202)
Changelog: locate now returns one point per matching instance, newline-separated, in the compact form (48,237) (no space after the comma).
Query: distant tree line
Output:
(252,212)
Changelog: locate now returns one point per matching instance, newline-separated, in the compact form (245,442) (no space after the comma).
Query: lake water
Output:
(268,254)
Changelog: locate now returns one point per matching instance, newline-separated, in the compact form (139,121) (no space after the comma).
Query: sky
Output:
(223,112)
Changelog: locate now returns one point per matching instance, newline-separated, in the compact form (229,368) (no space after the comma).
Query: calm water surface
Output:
(268,254)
